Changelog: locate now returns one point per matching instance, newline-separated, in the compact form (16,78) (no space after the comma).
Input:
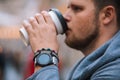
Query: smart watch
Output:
(45,57)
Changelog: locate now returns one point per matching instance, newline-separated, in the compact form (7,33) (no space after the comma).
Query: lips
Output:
(67,32)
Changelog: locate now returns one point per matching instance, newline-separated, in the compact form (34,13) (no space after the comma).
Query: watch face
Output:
(44,59)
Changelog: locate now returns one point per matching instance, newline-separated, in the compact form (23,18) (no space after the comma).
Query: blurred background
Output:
(16,58)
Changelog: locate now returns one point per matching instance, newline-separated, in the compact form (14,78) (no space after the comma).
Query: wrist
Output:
(37,68)
(45,57)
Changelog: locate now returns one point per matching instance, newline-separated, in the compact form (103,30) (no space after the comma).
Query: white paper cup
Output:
(24,36)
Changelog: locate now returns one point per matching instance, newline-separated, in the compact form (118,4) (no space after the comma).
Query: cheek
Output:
(82,28)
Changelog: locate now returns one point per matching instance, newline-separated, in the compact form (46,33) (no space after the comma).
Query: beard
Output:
(81,44)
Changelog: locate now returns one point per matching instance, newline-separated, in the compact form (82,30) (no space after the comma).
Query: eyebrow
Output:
(74,5)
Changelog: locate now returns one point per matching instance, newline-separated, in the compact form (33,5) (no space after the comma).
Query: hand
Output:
(41,31)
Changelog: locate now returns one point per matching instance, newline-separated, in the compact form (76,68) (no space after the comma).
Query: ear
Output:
(108,14)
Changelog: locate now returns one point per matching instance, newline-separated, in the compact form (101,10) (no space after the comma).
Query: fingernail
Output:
(44,12)
(37,14)
(25,23)
(31,18)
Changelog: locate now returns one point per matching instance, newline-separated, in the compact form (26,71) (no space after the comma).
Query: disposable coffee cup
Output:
(24,36)
(59,22)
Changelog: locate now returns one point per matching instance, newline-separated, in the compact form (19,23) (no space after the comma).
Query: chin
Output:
(70,43)
(76,44)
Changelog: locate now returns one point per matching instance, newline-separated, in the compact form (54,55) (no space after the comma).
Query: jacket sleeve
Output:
(46,73)
(110,71)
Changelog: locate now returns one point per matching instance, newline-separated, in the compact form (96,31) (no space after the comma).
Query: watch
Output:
(45,57)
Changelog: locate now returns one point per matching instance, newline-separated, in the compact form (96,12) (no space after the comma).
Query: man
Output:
(93,28)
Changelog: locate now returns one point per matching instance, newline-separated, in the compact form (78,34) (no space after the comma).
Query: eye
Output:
(76,8)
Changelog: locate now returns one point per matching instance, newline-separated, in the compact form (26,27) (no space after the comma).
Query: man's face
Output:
(82,23)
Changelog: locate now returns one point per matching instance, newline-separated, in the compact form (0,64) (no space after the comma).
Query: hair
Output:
(100,4)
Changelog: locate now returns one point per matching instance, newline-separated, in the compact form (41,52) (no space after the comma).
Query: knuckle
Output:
(26,23)
(37,15)
(45,13)
(32,19)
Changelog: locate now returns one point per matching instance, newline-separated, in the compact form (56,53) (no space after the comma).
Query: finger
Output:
(49,20)
(47,17)
(27,26)
(39,17)
(33,22)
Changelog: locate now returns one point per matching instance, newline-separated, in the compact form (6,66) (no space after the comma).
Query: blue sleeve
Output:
(110,71)
(46,73)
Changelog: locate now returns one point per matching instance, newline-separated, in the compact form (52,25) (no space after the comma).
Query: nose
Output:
(67,16)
